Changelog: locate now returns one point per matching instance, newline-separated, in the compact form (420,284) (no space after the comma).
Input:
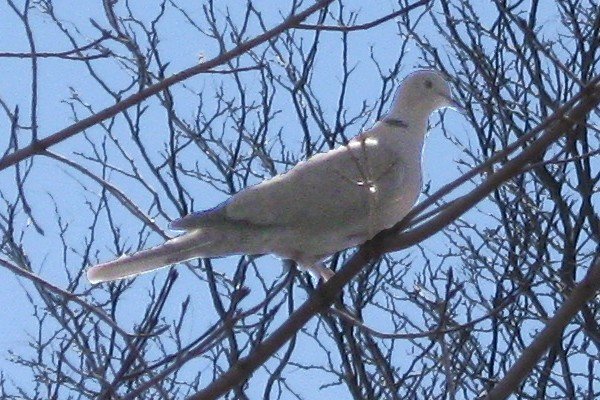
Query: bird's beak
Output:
(456,106)
(453,104)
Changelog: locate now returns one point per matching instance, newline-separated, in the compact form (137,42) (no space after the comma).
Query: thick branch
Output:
(581,294)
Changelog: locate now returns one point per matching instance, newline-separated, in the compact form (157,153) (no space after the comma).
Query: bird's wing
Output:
(340,186)
(195,220)
(307,189)
(337,187)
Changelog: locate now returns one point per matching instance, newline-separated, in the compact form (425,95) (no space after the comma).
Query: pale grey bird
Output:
(330,202)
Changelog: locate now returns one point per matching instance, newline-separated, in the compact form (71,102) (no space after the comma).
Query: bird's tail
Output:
(194,244)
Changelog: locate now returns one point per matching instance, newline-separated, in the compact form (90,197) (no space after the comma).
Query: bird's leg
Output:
(319,269)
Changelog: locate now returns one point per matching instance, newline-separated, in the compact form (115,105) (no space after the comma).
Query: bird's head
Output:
(423,92)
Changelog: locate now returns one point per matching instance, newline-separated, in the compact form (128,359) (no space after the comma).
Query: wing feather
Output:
(329,187)
(336,186)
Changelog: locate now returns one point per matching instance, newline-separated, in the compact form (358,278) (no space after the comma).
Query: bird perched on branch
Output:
(330,202)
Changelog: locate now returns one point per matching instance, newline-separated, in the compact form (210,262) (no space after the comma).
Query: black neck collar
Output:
(396,122)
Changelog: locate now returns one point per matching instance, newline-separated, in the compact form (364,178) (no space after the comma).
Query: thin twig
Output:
(69,54)
(67,296)
(367,25)
(428,334)
(38,146)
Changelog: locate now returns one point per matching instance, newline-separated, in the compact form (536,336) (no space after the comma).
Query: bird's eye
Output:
(428,84)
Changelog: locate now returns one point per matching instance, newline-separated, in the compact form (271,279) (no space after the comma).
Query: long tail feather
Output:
(190,245)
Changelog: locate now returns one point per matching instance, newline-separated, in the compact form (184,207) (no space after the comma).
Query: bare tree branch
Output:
(367,25)
(576,300)
(390,240)
(39,145)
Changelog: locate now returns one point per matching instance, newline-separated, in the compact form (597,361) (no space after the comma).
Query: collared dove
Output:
(330,202)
